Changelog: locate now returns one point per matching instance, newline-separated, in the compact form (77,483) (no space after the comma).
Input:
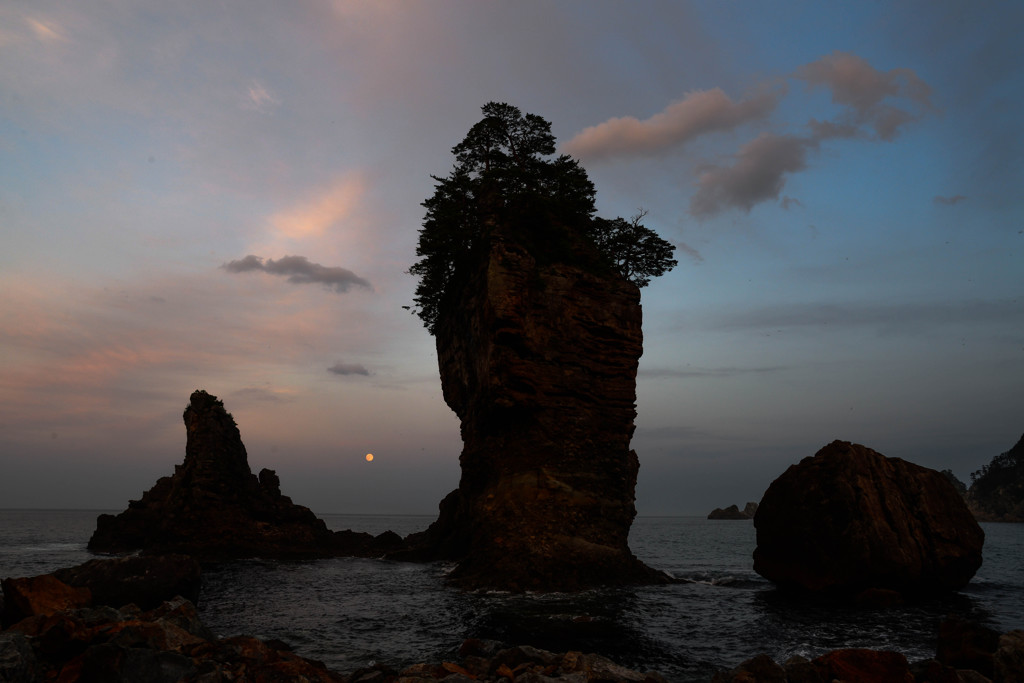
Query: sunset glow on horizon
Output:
(226,197)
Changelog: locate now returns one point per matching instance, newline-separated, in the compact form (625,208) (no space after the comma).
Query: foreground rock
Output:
(146,582)
(215,508)
(733,512)
(966,654)
(168,644)
(65,636)
(61,634)
(997,490)
(850,519)
(539,361)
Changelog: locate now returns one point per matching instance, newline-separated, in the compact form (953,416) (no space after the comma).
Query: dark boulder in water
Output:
(215,508)
(850,519)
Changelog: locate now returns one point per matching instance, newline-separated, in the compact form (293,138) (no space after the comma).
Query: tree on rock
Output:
(506,169)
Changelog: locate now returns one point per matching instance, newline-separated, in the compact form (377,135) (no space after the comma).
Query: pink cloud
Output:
(699,112)
(323,210)
(757,174)
(864,90)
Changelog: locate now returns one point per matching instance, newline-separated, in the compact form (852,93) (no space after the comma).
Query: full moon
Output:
(369,457)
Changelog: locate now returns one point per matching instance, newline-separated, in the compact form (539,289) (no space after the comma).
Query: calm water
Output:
(350,612)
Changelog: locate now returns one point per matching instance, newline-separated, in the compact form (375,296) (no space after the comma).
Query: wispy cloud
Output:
(874,105)
(300,270)
(910,317)
(692,252)
(698,113)
(732,371)
(260,98)
(864,90)
(757,174)
(325,209)
(263,395)
(345,369)
(45,30)
(949,201)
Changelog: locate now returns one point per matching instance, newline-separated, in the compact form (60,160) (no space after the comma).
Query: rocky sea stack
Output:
(215,508)
(539,362)
(535,306)
(850,520)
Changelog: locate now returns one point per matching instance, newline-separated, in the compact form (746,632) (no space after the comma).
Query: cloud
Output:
(327,208)
(260,98)
(756,175)
(695,255)
(950,201)
(699,112)
(262,395)
(300,270)
(864,90)
(674,373)
(907,317)
(45,30)
(348,369)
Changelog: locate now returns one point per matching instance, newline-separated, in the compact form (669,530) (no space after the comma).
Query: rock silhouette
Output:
(850,520)
(733,512)
(997,490)
(215,508)
(539,360)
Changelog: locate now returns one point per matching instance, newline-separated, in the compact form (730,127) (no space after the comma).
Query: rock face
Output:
(539,362)
(733,512)
(145,582)
(166,644)
(214,507)
(850,519)
(997,490)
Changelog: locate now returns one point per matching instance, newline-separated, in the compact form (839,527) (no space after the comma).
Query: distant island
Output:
(996,493)
(733,512)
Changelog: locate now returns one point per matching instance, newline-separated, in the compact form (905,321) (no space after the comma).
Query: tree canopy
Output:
(505,170)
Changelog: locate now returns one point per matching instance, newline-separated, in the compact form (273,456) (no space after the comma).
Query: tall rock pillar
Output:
(539,361)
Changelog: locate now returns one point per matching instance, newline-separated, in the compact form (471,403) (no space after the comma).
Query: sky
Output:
(226,195)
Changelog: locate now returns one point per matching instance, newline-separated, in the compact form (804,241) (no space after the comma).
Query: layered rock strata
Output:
(213,507)
(539,362)
(850,519)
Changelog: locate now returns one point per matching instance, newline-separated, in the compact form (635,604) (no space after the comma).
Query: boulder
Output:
(965,645)
(850,519)
(864,665)
(146,581)
(39,595)
(214,508)
(538,358)
(164,645)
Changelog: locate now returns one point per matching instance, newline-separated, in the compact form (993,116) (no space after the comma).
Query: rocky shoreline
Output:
(124,619)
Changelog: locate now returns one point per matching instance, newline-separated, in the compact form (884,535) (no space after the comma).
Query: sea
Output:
(354,612)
